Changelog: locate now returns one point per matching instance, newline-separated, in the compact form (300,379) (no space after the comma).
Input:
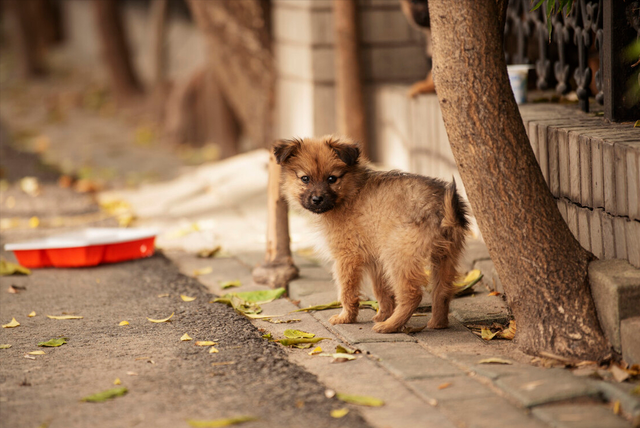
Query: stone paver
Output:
(630,340)
(488,412)
(592,415)
(452,388)
(361,331)
(480,308)
(456,334)
(535,387)
(409,360)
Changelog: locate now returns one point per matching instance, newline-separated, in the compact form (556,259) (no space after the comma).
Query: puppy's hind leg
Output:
(348,275)
(383,292)
(408,294)
(443,273)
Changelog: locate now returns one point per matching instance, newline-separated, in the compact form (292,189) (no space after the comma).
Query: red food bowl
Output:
(87,247)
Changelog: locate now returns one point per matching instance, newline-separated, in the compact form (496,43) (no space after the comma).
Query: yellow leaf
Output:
(213,350)
(339,413)
(218,423)
(65,317)
(187,298)
(12,324)
(316,351)
(616,407)
(203,271)
(36,353)
(162,320)
(5,346)
(30,186)
(510,332)
(487,334)
(361,400)
(445,385)
(494,361)
(32,314)
(228,284)
(34,222)
(472,276)
(205,343)
(185,337)
(117,381)
(123,323)
(8,268)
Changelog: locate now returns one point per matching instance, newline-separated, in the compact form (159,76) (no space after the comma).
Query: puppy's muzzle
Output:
(318,203)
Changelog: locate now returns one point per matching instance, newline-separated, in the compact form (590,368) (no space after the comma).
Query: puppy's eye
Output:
(332,179)
(305,178)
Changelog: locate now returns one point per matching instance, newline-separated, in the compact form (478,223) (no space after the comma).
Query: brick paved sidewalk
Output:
(433,378)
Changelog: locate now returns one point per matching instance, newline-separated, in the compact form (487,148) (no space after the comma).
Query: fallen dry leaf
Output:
(317,350)
(185,337)
(486,333)
(223,363)
(297,334)
(30,357)
(8,268)
(338,356)
(163,295)
(339,413)
(272,321)
(616,407)
(619,374)
(509,333)
(361,400)
(495,293)
(205,343)
(34,222)
(213,350)
(132,373)
(12,290)
(162,320)
(36,353)
(344,350)
(203,271)
(209,253)
(5,346)
(494,361)
(187,298)
(65,317)
(32,314)
(12,324)
(123,323)
(117,381)
(218,423)
(54,343)
(105,395)
(229,284)
(445,385)
(291,342)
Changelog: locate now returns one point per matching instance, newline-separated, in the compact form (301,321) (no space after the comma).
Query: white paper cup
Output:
(518,79)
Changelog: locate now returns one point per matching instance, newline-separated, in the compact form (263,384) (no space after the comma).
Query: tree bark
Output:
(542,266)
(27,38)
(349,89)
(115,49)
(157,21)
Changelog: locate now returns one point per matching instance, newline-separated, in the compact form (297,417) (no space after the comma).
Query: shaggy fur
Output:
(389,225)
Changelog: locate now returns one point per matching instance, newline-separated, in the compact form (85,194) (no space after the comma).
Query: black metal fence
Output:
(585,52)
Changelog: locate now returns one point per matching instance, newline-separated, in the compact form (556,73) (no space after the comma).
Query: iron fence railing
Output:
(585,51)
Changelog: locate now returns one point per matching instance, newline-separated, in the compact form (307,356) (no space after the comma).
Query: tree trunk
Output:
(542,266)
(115,49)
(157,21)
(349,90)
(27,38)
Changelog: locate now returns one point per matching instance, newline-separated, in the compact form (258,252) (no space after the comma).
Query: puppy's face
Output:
(317,172)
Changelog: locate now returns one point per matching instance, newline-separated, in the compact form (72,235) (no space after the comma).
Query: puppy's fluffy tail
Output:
(455,210)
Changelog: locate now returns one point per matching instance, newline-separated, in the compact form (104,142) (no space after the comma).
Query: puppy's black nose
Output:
(317,200)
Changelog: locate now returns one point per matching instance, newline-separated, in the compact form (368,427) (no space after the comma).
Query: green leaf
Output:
(342,350)
(268,336)
(297,334)
(261,296)
(637,124)
(5,346)
(106,395)
(361,400)
(229,284)
(372,304)
(216,423)
(239,304)
(537,5)
(8,268)
(332,305)
(54,342)
(291,342)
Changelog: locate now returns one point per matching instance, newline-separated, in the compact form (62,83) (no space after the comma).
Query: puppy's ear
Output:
(347,152)
(284,149)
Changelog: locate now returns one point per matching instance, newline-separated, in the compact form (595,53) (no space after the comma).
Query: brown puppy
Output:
(390,225)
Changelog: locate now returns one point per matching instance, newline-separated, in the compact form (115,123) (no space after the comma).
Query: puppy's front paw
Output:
(384,327)
(342,318)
